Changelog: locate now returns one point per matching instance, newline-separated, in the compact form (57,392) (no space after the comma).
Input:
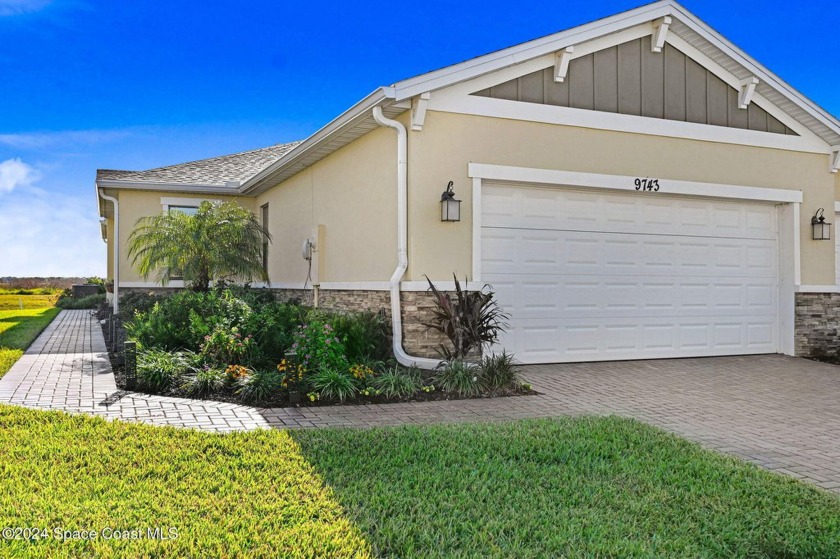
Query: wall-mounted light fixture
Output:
(821,229)
(450,208)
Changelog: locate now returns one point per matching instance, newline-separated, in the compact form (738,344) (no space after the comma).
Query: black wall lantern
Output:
(450,208)
(821,229)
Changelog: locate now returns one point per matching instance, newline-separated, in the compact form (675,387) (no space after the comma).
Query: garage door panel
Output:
(530,252)
(589,296)
(649,213)
(546,341)
(591,276)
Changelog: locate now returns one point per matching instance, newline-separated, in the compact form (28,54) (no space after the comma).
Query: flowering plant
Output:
(237,372)
(317,346)
(290,373)
(226,345)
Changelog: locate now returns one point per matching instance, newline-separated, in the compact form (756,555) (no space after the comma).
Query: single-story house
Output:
(636,187)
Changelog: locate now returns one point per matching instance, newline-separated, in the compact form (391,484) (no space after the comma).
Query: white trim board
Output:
(166,202)
(626,183)
(599,120)
(818,288)
(446,285)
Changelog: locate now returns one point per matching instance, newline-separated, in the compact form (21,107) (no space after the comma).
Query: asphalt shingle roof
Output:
(237,167)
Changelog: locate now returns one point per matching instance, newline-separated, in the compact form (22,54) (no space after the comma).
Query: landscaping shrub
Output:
(182,320)
(334,384)
(318,347)
(365,335)
(260,386)
(499,371)
(135,302)
(89,302)
(158,370)
(460,377)
(468,319)
(205,381)
(273,327)
(227,345)
(398,382)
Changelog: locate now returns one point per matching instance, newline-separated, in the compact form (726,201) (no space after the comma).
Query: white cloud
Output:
(40,140)
(17,7)
(50,234)
(15,173)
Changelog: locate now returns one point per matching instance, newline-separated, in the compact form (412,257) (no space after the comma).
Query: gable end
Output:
(630,79)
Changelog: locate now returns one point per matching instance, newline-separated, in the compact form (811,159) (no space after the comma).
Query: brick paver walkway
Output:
(779,412)
(67,368)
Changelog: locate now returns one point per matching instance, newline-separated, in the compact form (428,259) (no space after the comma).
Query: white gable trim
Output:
(550,114)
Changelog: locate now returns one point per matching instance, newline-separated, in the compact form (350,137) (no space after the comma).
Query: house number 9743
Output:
(650,185)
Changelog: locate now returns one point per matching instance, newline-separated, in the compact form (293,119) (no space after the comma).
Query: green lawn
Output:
(552,488)
(239,495)
(590,487)
(18,329)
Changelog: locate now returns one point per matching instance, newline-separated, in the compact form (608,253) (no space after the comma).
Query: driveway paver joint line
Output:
(777,412)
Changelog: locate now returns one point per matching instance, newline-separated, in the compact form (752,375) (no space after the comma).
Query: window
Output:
(264,215)
(189,210)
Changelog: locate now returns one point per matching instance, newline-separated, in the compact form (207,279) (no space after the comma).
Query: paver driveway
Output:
(779,412)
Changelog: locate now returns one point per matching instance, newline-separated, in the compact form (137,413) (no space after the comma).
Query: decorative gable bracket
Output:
(418,111)
(660,31)
(747,91)
(834,164)
(561,64)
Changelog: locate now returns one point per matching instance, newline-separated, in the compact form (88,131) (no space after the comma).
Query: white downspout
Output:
(116,248)
(402,244)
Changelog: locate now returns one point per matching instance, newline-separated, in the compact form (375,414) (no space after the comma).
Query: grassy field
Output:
(18,329)
(590,487)
(14,301)
(561,488)
(239,495)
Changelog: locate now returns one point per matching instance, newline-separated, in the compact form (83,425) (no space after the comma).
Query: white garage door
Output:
(590,276)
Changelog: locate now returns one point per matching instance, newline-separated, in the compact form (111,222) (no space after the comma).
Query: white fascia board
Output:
(735,83)
(345,119)
(538,47)
(626,183)
(754,67)
(169,187)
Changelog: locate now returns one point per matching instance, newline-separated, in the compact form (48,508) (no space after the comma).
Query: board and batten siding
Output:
(630,79)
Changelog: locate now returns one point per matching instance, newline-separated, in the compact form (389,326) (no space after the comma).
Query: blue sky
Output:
(134,85)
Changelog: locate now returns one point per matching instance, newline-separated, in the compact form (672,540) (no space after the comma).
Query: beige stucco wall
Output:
(448,142)
(352,193)
(135,204)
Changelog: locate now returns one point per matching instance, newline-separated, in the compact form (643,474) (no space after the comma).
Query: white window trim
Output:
(166,202)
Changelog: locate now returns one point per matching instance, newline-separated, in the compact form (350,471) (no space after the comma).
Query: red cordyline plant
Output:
(468,319)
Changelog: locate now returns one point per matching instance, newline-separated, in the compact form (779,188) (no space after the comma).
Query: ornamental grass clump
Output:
(262,385)
(158,370)
(460,377)
(398,382)
(335,384)
(499,371)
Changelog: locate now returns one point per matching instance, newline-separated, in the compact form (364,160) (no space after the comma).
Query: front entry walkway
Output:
(67,368)
(779,412)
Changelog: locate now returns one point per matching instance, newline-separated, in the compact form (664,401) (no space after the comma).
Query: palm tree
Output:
(220,241)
